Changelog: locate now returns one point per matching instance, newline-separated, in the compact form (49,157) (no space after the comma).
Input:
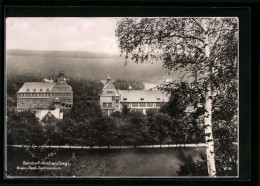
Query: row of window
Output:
(143,104)
(61,94)
(107,105)
(34,90)
(34,95)
(47,90)
(66,100)
(142,99)
(61,88)
(40,102)
(34,102)
(42,94)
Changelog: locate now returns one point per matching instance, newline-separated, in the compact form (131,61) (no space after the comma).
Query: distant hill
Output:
(83,65)
(76,54)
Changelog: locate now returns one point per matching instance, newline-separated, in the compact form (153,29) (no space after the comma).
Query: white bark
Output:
(210,153)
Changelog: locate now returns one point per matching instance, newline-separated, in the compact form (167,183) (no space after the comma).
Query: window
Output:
(126,104)
(142,104)
(47,90)
(21,102)
(107,105)
(117,101)
(28,90)
(149,104)
(158,104)
(134,104)
(40,102)
(34,90)
(158,98)
(40,90)
(47,102)
(34,102)
(141,98)
(110,92)
(124,98)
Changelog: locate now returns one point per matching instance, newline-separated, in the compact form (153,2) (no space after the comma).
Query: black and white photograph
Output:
(121,97)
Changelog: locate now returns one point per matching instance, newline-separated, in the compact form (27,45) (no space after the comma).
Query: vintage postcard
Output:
(121,97)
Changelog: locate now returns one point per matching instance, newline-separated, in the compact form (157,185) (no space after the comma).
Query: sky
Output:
(62,34)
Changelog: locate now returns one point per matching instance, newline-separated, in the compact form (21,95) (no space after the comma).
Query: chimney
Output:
(108,77)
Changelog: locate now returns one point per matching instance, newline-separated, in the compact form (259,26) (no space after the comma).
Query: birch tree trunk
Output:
(210,153)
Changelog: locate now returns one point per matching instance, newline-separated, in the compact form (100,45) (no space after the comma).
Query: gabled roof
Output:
(109,85)
(44,86)
(146,95)
(58,86)
(36,85)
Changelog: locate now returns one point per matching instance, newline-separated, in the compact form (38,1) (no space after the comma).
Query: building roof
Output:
(109,85)
(37,85)
(44,86)
(142,96)
(62,87)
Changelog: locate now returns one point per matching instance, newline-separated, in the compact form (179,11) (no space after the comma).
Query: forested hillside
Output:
(81,65)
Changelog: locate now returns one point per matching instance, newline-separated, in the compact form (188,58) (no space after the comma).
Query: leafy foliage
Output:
(191,168)
(206,51)
(23,128)
(124,84)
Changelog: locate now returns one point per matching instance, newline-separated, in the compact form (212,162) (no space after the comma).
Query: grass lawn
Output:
(108,162)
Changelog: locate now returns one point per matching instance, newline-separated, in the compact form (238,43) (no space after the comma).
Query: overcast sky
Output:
(63,34)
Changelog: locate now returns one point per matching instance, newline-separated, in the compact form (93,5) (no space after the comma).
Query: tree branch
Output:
(186,37)
(198,24)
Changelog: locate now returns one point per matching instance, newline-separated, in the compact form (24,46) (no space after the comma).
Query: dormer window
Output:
(47,90)
(28,90)
(110,92)
(34,90)
(125,99)
(158,98)
(40,90)
(141,98)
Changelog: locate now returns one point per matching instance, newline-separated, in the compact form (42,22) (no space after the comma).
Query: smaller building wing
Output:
(143,96)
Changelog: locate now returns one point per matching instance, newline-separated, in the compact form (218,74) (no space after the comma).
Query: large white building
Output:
(113,100)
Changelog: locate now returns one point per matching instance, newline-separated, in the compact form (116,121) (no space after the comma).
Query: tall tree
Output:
(203,48)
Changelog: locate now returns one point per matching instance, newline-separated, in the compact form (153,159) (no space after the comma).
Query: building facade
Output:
(112,100)
(41,95)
